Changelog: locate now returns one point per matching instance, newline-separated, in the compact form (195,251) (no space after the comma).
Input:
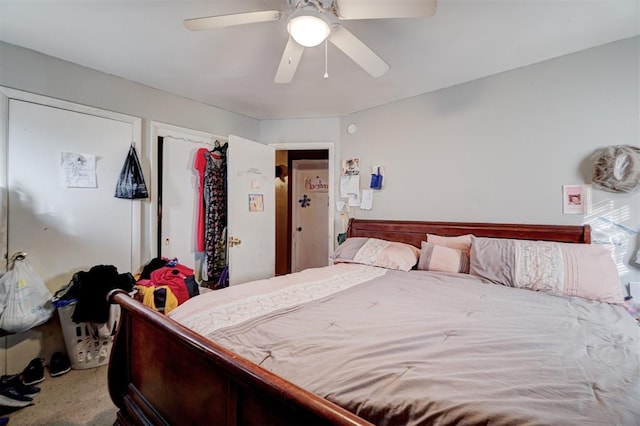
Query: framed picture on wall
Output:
(256,202)
(576,199)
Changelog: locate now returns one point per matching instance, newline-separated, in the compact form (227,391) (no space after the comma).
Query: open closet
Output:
(215,205)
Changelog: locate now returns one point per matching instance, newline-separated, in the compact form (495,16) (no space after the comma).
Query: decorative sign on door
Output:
(304,201)
(316,184)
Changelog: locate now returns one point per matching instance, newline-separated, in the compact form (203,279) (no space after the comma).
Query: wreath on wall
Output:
(617,168)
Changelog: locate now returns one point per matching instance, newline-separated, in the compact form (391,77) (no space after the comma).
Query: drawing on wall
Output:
(256,202)
(576,199)
(78,170)
(350,167)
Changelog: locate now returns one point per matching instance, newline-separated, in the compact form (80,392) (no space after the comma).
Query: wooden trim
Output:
(413,232)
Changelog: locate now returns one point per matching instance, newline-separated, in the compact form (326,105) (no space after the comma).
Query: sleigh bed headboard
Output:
(413,232)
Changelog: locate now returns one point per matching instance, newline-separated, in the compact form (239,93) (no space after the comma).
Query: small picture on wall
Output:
(576,199)
(256,202)
(350,167)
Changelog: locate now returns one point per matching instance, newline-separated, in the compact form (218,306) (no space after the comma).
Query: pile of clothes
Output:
(164,284)
(89,289)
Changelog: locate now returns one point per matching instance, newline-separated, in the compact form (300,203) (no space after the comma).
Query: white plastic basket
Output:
(87,345)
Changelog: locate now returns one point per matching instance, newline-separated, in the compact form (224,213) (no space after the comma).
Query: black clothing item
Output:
(93,287)
(155,263)
(192,286)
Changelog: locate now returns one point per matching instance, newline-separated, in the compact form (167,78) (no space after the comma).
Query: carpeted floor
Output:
(77,398)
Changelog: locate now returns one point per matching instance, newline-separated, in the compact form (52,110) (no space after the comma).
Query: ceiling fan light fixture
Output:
(308,30)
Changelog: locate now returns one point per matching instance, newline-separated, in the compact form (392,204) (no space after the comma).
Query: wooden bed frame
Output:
(162,373)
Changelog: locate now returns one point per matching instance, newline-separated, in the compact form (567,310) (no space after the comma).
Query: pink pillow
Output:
(462,242)
(443,259)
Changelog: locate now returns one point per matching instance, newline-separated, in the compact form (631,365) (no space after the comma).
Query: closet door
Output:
(61,218)
(179,201)
(251,210)
(66,225)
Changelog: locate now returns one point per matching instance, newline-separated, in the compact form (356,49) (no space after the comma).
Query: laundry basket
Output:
(88,346)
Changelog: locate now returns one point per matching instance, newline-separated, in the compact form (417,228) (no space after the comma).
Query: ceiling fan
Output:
(311,22)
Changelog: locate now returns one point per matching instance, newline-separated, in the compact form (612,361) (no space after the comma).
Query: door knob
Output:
(299,228)
(233,241)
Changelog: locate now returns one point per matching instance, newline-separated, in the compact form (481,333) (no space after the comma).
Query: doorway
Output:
(302,209)
(249,224)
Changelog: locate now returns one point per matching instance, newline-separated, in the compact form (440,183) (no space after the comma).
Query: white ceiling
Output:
(233,68)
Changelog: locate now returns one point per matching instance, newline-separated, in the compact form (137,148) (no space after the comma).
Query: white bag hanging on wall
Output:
(24,298)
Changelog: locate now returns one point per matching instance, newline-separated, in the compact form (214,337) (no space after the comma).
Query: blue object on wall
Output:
(376,180)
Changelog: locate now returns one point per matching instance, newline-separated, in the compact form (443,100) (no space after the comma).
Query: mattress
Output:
(423,347)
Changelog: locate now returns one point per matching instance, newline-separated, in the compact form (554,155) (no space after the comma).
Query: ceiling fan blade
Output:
(197,24)
(378,9)
(358,51)
(289,62)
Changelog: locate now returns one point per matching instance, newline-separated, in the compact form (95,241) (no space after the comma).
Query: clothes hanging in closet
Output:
(215,212)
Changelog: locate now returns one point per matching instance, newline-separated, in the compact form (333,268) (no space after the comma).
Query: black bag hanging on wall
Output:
(131,181)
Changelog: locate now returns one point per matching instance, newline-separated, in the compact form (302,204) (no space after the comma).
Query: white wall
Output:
(300,130)
(34,72)
(499,149)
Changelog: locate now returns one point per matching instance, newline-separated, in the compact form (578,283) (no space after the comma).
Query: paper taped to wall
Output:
(349,186)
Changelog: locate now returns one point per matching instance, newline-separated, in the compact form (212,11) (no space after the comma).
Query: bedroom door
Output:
(251,210)
(310,199)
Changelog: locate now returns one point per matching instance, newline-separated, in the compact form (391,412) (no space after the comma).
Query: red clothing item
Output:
(174,279)
(200,165)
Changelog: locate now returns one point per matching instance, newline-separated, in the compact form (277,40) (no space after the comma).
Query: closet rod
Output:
(213,142)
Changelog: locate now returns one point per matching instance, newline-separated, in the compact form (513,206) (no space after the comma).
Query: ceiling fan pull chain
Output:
(326,59)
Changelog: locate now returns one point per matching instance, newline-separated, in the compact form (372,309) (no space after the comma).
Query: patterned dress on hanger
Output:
(215,205)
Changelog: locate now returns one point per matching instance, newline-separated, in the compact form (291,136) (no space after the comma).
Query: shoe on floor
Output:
(59,364)
(34,373)
(15,382)
(10,397)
